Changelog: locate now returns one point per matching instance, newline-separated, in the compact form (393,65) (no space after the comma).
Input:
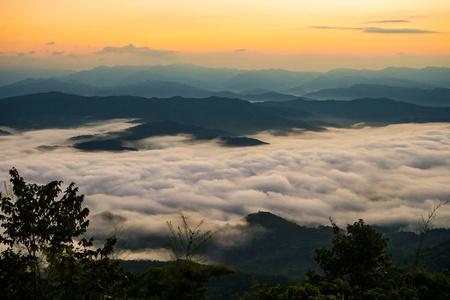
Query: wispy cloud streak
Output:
(379,30)
(140,51)
(388,21)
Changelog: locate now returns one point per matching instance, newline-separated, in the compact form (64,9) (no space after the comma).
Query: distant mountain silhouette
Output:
(104,76)
(274,80)
(255,92)
(431,76)
(269,96)
(297,91)
(325,81)
(437,97)
(33,86)
(372,111)
(234,80)
(227,114)
(10,75)
(64,110)
(200,77)
(149,88)
(159,89)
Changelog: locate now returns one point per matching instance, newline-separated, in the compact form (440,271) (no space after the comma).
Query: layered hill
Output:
(148,88)
(233,115)
(369,110)
(435,97)
(276,246)
(64,110)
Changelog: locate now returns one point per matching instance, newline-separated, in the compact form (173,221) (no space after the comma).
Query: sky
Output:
(385,175)
(248,34)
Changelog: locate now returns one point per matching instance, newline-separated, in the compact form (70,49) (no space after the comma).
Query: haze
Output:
(295,35)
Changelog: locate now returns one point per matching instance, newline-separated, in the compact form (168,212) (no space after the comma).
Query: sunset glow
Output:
(39,29)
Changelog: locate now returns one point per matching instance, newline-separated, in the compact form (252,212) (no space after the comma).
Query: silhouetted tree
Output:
(187,243)
(39,232)
(360,256)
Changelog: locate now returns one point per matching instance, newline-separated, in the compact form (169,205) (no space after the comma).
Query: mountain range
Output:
(433,97)
(232,115)
(64,110)
(238,81)
(371,111)
(149,88)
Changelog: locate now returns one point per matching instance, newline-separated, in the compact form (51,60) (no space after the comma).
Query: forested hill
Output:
(65,110)
(374,111)
(276,246)
(283,247)
(56,110)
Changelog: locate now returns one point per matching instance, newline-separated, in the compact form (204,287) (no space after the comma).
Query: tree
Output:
(359,256)
(185,277)
(425,225)
(186,243)
(39,232)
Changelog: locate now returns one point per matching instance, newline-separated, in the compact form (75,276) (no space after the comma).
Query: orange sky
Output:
(67,29)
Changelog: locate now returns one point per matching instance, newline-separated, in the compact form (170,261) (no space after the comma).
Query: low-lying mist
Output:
(385,175)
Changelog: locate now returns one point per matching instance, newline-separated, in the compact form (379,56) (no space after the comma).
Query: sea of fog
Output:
(384,175)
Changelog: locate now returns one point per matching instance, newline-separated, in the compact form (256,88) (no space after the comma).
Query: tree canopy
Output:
(47,257)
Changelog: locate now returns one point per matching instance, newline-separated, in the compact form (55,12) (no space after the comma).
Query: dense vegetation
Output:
(44,257)
(42,260)
(358,266)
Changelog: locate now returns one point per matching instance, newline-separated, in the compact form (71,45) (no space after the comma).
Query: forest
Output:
(44,256)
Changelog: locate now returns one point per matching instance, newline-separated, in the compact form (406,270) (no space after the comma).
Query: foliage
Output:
(39,236)
(360,256)
(432,212)
(358,267)
(178,280)
(187,243)
(45,257)
(42,259)
(184,278)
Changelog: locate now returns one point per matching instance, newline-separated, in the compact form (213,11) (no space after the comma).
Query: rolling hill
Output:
(63,110)
(439,97)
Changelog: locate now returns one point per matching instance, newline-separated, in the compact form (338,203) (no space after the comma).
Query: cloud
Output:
(403,30)
(58,53)
(13,54)
(384,175)
(50,43)
(240,50)
(379,30)
(389,21)
(139,51)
